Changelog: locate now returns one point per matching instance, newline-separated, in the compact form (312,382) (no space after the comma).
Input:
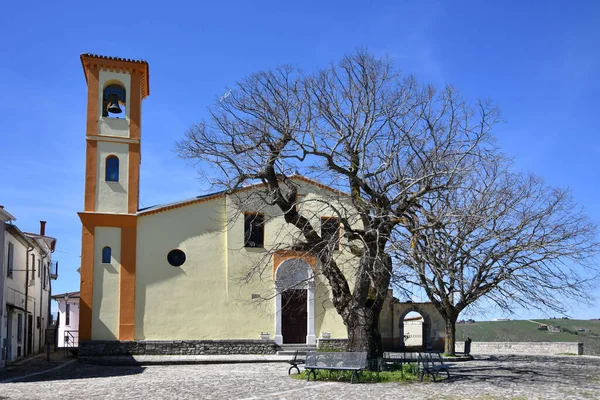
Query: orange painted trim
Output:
(127,284)
(91,61)
(127,276)
(92,104)
(91,164)
(135,106)
(133,178)
(108,220)
(113,139)
(284,255)
(86,286)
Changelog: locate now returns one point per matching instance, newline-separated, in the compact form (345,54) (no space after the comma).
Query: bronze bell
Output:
(113,104)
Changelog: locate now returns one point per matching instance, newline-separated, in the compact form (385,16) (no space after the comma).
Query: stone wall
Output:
(540,348)
(175,347)
(332,344)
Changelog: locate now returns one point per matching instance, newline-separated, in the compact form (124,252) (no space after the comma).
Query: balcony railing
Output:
(71,338)
(53,270)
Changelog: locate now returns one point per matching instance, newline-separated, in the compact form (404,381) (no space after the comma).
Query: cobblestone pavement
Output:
(489,378)
(35,364)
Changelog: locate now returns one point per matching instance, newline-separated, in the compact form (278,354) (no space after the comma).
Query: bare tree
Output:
(358,126)
(499,235)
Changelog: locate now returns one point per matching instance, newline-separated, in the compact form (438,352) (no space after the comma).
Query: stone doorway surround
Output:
(295,273)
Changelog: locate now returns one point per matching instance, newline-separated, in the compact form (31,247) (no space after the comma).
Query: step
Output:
(292,352)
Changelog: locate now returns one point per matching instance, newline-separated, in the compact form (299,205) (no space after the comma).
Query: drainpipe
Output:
(29,249)
(41,300)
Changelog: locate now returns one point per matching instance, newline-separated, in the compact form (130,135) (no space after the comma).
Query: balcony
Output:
(53,270)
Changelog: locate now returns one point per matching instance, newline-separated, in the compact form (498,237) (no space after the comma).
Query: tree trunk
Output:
(450,346)
(363,332)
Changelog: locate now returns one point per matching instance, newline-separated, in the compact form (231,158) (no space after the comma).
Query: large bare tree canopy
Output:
(501,235)
(359,126)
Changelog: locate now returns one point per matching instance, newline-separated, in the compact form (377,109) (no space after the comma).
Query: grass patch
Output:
(408,373)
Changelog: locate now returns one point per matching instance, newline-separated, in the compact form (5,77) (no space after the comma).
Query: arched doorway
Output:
(294,303)
(413,330)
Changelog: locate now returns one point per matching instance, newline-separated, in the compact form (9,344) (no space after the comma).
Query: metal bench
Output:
(337,361)
(428,366)
(294,362)
(395,360)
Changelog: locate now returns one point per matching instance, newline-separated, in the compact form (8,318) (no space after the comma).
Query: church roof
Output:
(211,196)
(88,59)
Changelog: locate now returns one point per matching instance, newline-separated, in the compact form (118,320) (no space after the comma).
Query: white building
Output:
(68,319)
(26,269)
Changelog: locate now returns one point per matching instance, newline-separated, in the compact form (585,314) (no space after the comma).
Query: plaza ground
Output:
(486,377)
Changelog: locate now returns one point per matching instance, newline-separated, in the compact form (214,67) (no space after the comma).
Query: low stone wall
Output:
(541,348)
(175,347)
(332,344)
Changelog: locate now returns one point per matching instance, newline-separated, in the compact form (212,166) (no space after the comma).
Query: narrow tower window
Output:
(112,169)
(106,255)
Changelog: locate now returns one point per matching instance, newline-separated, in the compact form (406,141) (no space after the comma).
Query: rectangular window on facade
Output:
(11,255)
(32,266)
(68,314)
(39,267)
(254,230)
(37,322)
(44,275)
(19,328)
(330,230)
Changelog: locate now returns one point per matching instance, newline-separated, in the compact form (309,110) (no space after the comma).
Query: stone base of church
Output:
(332,344)
(175,347)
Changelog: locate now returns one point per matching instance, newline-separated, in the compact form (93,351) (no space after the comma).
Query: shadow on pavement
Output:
(84,370)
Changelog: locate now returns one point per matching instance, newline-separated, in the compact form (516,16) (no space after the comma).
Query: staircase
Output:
(290,349)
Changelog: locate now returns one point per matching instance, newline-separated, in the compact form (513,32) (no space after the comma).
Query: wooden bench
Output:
(336,361)
(428,366)
(294,362)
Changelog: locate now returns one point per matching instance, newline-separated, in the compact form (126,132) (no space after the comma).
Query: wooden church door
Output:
(294,319)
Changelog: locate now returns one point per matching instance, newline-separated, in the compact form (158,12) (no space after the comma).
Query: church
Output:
(185,274)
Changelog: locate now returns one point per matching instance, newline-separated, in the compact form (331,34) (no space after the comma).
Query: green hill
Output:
(572,330)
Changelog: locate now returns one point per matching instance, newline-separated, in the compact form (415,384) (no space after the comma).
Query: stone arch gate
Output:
(433,324)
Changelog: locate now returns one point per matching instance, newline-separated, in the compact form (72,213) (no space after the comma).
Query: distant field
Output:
(526,331)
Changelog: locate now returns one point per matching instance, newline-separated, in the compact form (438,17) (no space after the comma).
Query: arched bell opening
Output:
(114,101)
(294,303)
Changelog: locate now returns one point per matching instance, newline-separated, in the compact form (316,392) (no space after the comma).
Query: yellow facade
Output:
(223,290)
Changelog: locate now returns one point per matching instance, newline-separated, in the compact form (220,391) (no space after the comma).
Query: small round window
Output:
(176,258)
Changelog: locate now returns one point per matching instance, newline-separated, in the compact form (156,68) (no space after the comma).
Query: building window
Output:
(67,314)
(106,255)
(176,257)
(11,255)
(45,275)
(330,230)
(254,230)
(19,328)
(39,267)
(32,266)
(112,169)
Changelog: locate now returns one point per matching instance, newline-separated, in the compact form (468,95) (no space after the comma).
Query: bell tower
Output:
(116,88)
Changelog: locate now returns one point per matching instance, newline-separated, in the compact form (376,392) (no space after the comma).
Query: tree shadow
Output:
(524,369)
(87,370)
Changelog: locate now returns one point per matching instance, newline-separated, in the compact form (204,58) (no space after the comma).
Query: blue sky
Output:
(539,60)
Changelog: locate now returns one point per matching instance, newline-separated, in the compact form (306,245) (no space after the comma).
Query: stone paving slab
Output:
(485,378)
